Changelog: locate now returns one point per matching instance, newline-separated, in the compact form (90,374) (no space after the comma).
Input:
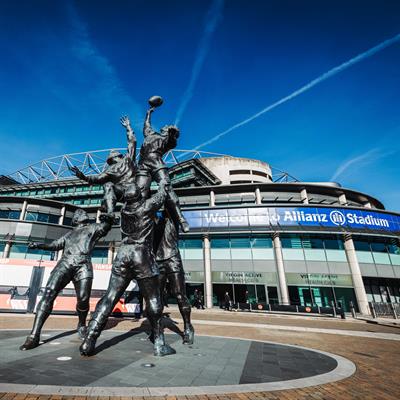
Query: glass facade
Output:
(377,251)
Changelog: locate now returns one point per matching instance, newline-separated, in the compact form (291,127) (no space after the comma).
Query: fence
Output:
(385,310)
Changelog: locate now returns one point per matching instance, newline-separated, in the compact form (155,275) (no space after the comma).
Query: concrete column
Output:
(283,289)
(23,211)
(62,216)
(207,272)
(367,205)
(358,283)
(212,198)
(258,196)
(7,248)
(304,196)
(343,200)
(110,255)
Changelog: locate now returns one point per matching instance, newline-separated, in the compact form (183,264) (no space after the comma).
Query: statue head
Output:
(80,217)
(132,194)
(114,157)
(173,134)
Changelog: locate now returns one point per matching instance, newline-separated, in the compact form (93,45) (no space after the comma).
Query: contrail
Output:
(213,16)
(355,160)
(307,87)
(368,157)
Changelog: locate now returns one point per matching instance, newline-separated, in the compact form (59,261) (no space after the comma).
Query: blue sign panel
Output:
(267,217)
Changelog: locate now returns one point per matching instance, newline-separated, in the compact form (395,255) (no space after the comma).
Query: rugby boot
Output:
(30,342)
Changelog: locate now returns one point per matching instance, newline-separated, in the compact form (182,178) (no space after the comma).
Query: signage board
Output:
(318,279)
(270,217)
(244,277)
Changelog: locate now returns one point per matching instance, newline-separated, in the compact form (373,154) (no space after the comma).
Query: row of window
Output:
(54,190)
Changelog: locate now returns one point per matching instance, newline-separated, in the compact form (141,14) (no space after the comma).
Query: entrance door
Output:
(305,296)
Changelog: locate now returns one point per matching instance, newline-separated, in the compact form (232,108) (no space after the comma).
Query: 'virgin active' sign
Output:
(299,216)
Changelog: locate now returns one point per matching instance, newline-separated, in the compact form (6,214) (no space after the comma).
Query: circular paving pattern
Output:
(124,365)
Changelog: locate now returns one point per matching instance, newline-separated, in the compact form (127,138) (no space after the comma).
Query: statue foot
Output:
(30,343)
(184,225)
(188,335)
(163,350)
(88,346)
(82,330)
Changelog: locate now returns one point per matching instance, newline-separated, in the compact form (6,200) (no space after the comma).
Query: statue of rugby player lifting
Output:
(151,165)
(134,260)
(75,265)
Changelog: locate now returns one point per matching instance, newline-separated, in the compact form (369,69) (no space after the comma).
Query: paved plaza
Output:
(234,356)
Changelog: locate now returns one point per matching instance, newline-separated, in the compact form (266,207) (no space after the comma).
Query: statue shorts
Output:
(135,261)
(171,265)
(73,268)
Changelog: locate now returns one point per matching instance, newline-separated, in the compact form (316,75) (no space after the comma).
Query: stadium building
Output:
(253,229)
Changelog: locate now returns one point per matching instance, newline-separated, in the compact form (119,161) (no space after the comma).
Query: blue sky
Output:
(69,69)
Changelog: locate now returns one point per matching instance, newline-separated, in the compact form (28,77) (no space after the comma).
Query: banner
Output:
(270,217)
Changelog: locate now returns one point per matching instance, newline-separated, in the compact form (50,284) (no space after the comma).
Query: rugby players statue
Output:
(170,264)
(151,165)
(75,265)
(134,260)
(121,171)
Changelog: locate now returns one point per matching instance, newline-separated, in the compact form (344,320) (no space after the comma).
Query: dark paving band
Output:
(212,365)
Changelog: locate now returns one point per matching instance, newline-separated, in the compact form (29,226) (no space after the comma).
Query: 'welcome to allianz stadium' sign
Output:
(291,217)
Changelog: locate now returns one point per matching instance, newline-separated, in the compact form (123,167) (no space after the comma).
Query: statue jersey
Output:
(154,144)
(81,240)
(121,172)
(137,222)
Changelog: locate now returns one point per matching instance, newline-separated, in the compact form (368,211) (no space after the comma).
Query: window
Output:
(10,214)
(291,242)
(41,217)
(239,172)
(100,255)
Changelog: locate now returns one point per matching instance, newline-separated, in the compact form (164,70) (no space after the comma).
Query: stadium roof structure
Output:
(94,162)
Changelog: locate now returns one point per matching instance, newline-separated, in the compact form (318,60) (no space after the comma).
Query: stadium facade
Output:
(253,229)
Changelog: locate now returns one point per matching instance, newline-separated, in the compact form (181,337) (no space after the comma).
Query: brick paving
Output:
(378,368)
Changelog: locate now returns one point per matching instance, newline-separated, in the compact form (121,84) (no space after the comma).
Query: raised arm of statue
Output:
(131,137)
(147,129)
(57,244)
(155,202)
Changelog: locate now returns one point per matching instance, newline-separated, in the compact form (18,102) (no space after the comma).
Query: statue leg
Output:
(144,182)
(151,294)
(110,198)
(83,288)
(172,201)
(178,290)
(57,281)
(116,288)
(162,280)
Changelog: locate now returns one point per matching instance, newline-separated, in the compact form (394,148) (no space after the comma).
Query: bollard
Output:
(353,311)
(342,313)
(333,309)
(393,310)
(372,308)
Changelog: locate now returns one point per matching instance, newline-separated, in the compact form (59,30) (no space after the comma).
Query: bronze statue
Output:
(134,260)
(120,173)
(75,265)
(171,269)
(151,165)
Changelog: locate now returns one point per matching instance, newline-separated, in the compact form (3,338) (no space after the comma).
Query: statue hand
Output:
(125,121)
(33,245)
(77,172)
